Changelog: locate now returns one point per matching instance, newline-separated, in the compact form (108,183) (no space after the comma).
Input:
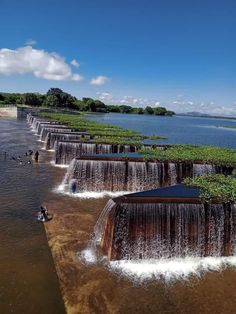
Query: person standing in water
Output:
(73,186)
(36,156)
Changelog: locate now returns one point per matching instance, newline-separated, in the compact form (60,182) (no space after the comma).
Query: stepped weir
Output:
(69,149)
(52,138)
(130,172)
(55,129)
(166,223)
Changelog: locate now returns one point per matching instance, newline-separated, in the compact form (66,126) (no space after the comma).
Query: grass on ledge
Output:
(217,187)
(190,153)
(114,133)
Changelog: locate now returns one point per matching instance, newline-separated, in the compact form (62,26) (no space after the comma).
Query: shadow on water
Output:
(28,280)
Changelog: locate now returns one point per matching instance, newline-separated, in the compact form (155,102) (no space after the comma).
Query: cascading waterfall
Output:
(110,175)
(132,231)
(66,151)
(52,139)
(58,129)
(41,125)
(94,176)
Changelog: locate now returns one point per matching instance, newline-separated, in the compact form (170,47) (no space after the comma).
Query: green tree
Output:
(32,99)
(148,110)
(113,108)
(52,101)
(140,111)
(125,109)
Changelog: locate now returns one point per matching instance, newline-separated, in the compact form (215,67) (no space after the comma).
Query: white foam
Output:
(59,166)
(63,189)
(88,256)
(171,269)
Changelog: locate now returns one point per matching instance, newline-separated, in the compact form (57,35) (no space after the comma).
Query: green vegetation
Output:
(57,98)
(103,133)
(189,153)
(227,126)
(215,187)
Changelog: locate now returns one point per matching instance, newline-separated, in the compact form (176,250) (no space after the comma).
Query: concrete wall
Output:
(8,112)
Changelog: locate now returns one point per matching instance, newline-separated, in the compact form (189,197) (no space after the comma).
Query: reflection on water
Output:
(28,282)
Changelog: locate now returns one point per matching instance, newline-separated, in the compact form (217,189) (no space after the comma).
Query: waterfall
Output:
(53,125)
(94,176)
(66,151)
(133,231)
(52,138)
(203,169)
(110,175)
(48,129)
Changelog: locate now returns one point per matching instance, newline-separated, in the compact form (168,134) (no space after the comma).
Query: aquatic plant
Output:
(189,153)
(215,187)
(227,126)
(78,121)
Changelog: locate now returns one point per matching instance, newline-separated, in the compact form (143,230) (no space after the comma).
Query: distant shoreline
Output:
(205,116)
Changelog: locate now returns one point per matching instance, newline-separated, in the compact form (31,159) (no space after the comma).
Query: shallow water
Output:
(28,281)
(177,129)
(99,287)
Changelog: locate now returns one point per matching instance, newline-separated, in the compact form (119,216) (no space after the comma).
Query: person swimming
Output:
(44,212)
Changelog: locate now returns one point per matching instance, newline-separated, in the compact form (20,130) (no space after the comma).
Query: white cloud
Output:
(76,77)
(75,63)
(179,105)
(40,63)
(99,80)
(104,96)
(30,42)
(210,108)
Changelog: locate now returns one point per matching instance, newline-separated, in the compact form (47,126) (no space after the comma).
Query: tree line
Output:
(57,98)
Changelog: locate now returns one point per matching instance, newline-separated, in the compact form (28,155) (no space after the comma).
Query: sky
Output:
(175,53)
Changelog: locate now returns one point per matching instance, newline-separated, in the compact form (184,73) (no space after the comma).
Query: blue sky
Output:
(175,53)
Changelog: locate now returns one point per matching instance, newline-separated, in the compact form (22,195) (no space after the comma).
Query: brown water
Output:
(95,288)
(28,281)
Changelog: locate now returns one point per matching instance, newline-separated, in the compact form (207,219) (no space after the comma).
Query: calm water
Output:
(28,282)
(177,129)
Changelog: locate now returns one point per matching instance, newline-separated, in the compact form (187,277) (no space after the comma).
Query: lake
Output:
(177,129)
